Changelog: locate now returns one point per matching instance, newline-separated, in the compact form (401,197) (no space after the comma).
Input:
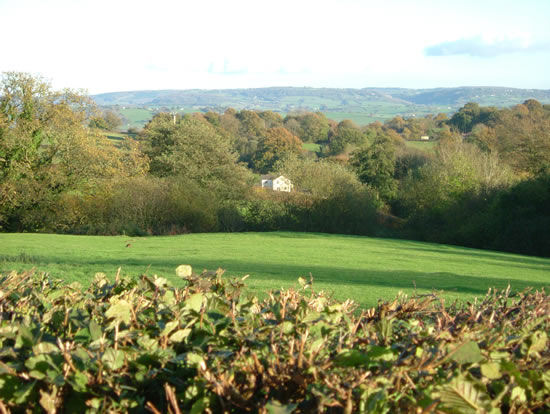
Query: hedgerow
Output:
(142,345)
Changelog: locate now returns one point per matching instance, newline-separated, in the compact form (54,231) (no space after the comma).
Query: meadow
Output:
(361,268)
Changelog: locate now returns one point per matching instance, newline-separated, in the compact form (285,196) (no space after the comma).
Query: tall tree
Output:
(46,150)
(278,143)
(375,166)
(191,149)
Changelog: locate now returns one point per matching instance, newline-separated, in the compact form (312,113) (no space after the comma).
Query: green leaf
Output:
(275,407)
(83,336)
(194,359)
(47,401)
(95,330)
(120,311)
(311,317)
(538,341)
(24,337)
(491,370)
(184,271)
(463,396)
(113,358)
(198,407)
(195,302)
(180,335)
(317,345)
(287,327)
(159,281)
(38,366)
(169,327)
(351,358)
(518,393)
(467,353)
(45,348)
(23,392)
(80,382)
(380,353)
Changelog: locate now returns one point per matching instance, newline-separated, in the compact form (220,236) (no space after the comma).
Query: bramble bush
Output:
(142,345)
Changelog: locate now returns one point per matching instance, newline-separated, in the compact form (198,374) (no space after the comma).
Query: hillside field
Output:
(361,268)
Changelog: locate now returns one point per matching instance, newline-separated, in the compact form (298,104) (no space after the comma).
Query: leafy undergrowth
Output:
(142,345)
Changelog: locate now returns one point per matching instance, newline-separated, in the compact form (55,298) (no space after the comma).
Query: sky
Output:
(122,45)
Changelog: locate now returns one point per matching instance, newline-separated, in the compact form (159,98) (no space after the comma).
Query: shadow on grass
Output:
(324,276)
(489,256)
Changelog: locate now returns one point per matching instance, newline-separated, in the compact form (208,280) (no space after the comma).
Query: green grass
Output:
(360,118)
(137,117)
(361,268)
(428,146)
(309,146)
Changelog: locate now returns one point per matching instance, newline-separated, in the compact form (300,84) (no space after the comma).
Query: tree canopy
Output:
(46,149)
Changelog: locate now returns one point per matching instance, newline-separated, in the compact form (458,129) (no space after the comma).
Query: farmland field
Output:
(308,146)
(361,268)
(428,146)
(137,117)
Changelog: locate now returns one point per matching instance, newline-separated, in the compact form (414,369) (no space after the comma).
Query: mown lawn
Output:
(361,268)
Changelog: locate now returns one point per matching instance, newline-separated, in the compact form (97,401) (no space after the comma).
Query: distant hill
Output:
(315,98)
(362,105)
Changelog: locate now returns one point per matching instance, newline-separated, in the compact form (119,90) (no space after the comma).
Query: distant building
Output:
(279,183)
(425,138)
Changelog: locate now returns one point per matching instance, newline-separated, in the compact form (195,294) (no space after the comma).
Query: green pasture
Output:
(309,146)
(428,146)
(361,268)
(360,118)
(136,117)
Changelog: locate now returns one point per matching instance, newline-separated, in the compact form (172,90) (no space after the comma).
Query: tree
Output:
(459,170)
(271,119)
(309,127)
(319,179)
(375,167)
(107,120)
(524,137)
(278,143)
(46,150)
(193,150)
(347,135)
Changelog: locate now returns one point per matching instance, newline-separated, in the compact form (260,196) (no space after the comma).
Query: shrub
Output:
(136,345)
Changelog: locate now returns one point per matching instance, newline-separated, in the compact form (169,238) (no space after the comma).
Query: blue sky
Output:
(120,45)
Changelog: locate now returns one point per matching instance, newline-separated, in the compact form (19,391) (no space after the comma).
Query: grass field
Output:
(310,146)
(137,117)
(428,146)
(361,268)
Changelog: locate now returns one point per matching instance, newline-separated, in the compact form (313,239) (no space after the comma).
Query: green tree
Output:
(375,166)
(346,137)
(193,150)
(459,170)
(308,126)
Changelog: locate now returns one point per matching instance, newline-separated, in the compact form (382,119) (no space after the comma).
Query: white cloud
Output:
(484,46)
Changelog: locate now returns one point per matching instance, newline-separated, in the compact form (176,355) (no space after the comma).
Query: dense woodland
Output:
(486,184)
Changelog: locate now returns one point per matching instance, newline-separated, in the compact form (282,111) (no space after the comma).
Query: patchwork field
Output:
(361,268)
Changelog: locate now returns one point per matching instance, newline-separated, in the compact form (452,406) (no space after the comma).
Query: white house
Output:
(280,183)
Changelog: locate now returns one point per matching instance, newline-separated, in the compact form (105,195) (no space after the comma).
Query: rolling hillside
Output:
(364,269)
(361,105)
(325,99)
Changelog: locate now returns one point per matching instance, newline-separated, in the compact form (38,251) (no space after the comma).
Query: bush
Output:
(136,345)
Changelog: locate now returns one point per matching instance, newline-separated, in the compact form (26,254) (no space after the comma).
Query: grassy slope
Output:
(360,268)
(428,146)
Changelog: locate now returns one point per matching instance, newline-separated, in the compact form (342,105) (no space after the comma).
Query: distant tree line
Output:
(486,184)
